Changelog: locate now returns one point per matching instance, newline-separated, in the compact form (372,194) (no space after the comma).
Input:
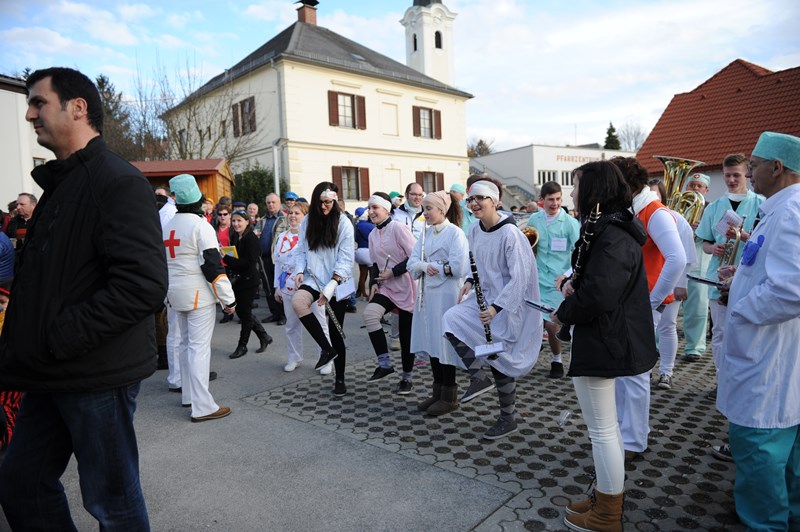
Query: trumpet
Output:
(728,257)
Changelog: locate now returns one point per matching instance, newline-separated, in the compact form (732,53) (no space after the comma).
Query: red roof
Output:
(726,114)
(196,167)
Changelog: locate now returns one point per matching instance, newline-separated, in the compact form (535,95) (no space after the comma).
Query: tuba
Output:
(689,204)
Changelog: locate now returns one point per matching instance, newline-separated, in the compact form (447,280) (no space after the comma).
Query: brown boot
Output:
(604,516)
(447,403)
(435,396)
(581,507)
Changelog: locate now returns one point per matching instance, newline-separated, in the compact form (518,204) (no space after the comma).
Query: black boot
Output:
(264,338)
(241,350)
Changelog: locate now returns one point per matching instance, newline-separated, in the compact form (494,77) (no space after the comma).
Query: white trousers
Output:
(294,329)
(597,402)
(173,341)
(196,328)
(633,406)
(667,335)
(718,314)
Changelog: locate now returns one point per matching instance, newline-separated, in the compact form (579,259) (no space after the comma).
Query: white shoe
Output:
(326,369)
(395,344)
(290,366)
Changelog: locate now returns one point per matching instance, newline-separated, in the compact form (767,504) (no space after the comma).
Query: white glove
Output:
(329,289)
(421,267)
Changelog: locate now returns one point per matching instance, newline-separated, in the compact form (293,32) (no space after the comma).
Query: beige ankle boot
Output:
(604,516)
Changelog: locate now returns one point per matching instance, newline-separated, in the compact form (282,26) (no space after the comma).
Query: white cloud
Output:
(135,12)
(271,11)
(99,24)
(39,47)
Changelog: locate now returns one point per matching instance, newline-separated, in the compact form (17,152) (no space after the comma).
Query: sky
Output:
(541,71)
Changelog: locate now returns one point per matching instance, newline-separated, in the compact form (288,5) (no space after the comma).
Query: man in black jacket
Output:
(79,332)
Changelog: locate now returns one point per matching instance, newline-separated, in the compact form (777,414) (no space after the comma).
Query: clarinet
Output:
(328,308)
(479,295)
(580,263)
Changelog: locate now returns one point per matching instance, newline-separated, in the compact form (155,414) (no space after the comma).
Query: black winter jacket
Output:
(613,334)
(91,275)
(246,266)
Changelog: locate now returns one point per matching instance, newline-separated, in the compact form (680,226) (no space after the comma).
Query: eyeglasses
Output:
(415,195)
(223,213)
(327,202)
(476,198)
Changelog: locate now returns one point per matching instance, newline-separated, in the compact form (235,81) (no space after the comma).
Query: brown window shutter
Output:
(437,124)
(251,119)
(418,178)
(333,108)
(363,174)
(361,112)
(337,177)
(415,119)
(439,181)
(235,113)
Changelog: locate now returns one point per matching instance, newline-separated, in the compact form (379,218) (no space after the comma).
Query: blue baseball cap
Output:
(292,195)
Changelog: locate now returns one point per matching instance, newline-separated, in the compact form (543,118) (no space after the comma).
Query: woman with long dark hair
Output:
(391,288)
(441,261)
(245,277)
(607,303)
(324,262)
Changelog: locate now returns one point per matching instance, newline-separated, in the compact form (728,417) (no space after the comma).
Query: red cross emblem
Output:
(172,243)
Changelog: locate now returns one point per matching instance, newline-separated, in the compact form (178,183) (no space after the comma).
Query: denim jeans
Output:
(95,426)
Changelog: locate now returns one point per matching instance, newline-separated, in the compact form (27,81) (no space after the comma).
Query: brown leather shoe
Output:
(222,412)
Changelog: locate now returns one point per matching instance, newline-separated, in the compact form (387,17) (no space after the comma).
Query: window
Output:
(437,39)
(222,131)
(37,161)
(347,110)
(546,175)
(353,182)
(566,178)
(427,122)
(430,181)
(415,42)
(244,117)
(182,140)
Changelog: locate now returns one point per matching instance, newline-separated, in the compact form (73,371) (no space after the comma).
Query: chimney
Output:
(307,12)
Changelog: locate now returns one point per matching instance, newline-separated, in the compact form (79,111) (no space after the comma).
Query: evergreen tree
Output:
(253,185)
(612,140)
(116,120)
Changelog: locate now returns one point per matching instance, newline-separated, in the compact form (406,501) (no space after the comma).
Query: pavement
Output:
(292,457)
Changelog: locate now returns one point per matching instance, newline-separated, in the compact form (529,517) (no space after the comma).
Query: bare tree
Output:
(186,120)
(632,136)
(479,147)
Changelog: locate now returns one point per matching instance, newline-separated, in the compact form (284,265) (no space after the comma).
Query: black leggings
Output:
(315,330)
(443,374)
(378,338)
(244,309)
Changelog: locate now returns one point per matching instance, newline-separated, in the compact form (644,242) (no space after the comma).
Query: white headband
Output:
(485,188)
(329,194)
(381,202)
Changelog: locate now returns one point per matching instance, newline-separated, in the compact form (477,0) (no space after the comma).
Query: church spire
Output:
(429,39)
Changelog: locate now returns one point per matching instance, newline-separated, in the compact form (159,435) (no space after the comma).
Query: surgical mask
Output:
(736,197)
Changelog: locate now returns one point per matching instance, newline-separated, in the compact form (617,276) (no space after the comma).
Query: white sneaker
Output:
(395,344)
(326,369)
(290,366)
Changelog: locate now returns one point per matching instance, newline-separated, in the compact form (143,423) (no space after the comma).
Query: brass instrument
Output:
(689,204)
(728,257)
(533,236)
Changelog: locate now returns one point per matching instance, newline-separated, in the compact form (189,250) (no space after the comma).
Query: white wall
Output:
(18,148)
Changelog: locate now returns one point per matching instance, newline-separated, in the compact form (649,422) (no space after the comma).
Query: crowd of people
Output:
(463,287)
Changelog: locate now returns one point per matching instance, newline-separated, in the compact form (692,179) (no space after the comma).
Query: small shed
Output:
(214,176)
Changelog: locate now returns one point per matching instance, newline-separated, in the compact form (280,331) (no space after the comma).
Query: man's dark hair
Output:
(633,172)
(602,182)
(30,196)
(70,84)
(551,187)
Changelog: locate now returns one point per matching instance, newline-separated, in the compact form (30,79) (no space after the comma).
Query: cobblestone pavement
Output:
(675,485)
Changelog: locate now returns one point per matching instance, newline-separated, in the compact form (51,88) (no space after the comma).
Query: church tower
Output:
(429,39)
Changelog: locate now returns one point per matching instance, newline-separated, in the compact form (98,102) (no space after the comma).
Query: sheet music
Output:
(729,219)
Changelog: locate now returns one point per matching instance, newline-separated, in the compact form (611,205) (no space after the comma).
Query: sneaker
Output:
(290,366)
(404,387)
(502,427)
(712,395)
(352,309)
(339,389)
(664,382)
(380,373)
(326,369)
(556,370)
(691,357)
(722,452)
(223,411)
(325,357)
(395,344)
(477,387)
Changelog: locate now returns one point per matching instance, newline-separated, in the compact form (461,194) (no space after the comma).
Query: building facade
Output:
(316,106)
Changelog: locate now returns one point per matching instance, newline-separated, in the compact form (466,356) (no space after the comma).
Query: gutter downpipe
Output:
(276,159)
